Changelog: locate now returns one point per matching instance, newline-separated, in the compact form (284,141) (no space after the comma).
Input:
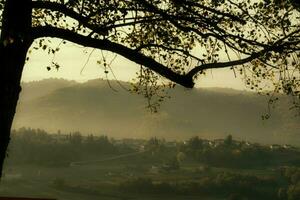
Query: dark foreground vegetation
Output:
(73,166)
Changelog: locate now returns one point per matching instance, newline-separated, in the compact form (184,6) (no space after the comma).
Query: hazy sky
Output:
(76,65)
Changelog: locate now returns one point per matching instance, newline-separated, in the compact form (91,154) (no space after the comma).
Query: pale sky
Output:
(76,65)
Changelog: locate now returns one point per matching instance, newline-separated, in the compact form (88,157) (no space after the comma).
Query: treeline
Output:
(36,146)
(236,154)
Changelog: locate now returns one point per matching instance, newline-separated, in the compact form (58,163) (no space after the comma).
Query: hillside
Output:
(93,107)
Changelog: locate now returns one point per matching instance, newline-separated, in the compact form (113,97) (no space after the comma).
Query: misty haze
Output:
(95,108)
(96,140)
(149,100)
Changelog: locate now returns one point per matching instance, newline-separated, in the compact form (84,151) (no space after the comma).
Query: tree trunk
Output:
(14,43)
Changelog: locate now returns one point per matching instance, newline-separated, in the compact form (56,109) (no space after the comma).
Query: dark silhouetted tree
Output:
(228,140)
(177,40)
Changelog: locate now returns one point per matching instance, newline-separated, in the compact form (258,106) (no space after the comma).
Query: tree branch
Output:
(278,46)
(85,20)
(215,11)
(199,68)
(70,13)
(185,52)
(133,55)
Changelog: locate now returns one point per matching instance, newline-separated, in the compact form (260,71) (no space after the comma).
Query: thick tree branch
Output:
(133,55)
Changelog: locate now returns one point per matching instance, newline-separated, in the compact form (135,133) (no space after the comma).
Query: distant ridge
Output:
(94,107)
(35,89)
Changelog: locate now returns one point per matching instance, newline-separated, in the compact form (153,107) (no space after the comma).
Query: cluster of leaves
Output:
(147,84)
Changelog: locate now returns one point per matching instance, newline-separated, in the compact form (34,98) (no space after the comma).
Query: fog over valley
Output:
(94,107)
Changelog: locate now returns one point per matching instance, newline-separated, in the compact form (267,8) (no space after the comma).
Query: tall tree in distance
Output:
(176,40)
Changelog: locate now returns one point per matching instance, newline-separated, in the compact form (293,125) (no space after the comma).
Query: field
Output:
(102,180)
(74,167)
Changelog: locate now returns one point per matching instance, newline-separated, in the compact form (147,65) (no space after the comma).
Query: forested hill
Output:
(94,107)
